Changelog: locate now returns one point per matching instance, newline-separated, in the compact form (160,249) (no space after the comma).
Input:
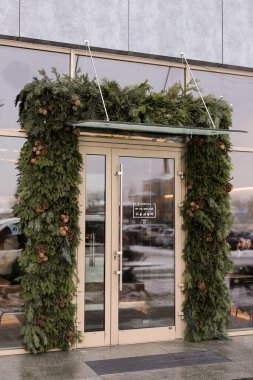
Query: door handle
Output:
(120,250)
(120,271)
(92,261)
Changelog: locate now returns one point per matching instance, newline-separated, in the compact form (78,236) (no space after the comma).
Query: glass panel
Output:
(11,245)
(147,298)
(127,73)
(237,90)
(153,129)
(240,280)
(18,67)
(95,243)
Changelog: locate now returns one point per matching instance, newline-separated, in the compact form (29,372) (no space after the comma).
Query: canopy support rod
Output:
(87,43)
(196,84)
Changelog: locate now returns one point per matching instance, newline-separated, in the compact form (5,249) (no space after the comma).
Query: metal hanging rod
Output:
(87,43)
(196,84)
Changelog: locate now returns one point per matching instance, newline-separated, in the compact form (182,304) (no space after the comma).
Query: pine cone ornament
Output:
(41,321)
(190,213)
(209,237)
(228,187)
(44,152)
(39,210)
(62,303)
(62,231)
(202,287)
(77,102)
(41,254)
(222,146)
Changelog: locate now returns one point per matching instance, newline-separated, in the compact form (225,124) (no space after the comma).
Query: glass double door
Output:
(127,266)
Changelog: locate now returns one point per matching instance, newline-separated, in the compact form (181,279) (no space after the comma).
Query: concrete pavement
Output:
(72,365)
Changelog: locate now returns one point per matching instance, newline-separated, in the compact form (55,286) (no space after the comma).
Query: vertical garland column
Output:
(49,168)
(206,213)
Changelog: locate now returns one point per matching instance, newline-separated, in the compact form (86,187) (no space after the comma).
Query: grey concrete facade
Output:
(217,31)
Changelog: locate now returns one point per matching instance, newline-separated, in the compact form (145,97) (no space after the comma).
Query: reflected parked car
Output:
(11,245)
(165,238)
(132,234)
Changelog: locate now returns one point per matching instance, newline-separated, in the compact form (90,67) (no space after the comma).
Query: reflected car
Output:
(11,245)
(132,234)
(165,238)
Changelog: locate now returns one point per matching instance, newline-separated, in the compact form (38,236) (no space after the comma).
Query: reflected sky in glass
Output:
(237,90)
(9,153)
(18,67)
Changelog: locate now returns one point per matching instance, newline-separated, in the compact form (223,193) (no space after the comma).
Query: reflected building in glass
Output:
(147,299)
(240,280)
(11,245)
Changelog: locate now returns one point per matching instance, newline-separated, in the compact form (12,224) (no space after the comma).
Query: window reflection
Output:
(128,73)
(95,243)
(237,90)
(147,298)
(240,280)
(18,67)
(11,245)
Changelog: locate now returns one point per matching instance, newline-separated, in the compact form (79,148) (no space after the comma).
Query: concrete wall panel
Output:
(167,27)
(9,17)
(103,23)
(238,32)
(159,27)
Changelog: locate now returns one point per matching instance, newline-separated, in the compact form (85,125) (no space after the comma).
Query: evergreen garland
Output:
(49,167)
(206,213)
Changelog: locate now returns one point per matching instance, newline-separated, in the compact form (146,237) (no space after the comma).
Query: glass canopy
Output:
(147,129)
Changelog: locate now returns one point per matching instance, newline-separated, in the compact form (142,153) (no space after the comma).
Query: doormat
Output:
(150,362)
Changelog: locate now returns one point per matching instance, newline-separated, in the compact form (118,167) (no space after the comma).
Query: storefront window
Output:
(11,245)
(240,280)
(237,90)
(18,67)
(128,73)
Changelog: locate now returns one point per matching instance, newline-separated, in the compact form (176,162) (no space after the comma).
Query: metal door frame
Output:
(111,335)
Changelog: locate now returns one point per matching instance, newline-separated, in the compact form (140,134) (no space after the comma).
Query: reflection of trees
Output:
(95,202)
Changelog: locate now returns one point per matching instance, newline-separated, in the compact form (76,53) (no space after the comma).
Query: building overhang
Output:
(118,128)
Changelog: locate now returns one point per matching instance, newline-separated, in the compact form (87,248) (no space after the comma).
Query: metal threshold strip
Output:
(147,129)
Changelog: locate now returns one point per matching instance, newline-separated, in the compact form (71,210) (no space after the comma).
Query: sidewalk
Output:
(73,365)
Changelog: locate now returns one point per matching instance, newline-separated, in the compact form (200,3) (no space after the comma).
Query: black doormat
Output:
(146,363)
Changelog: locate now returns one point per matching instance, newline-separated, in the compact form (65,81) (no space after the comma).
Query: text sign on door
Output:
(144,210)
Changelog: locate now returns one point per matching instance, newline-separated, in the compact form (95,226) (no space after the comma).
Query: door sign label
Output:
(144,210)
